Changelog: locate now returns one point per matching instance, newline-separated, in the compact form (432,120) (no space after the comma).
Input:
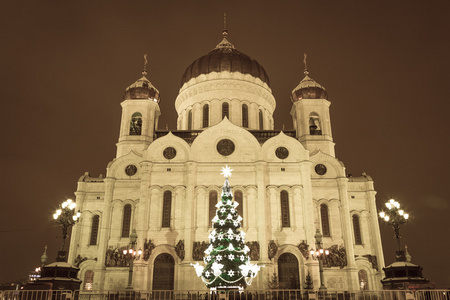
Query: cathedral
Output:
(160,192)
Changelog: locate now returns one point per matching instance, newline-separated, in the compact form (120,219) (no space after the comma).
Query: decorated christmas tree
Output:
(226,258)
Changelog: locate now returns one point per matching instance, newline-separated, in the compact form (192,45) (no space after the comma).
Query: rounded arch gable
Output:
(155,152)
(246,146)
(296,151)
(117,168)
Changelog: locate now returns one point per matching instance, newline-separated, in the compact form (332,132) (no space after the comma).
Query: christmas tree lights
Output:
(226,259)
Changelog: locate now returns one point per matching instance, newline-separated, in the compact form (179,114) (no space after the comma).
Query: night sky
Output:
(65,66)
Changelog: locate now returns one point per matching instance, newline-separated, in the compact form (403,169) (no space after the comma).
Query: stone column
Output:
(307,203)
(75,239)
(105,230)
(374,227)
(347,234)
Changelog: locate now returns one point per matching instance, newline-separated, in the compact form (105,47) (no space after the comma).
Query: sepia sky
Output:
(64,66)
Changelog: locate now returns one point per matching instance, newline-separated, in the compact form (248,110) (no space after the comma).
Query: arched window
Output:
(244,115)
(285,219)
(88,280)
(126,222)
(240,208)
(261,122)
(288,275)
(357,230)
(363,282)
(206,115)
(314,124)
(136,124)
(163,273)
(94,230)
(190,120)
(167,206)
(212,206)
(225,110)
(324,218)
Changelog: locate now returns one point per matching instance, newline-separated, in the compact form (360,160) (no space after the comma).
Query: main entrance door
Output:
(163,272)
(288,277)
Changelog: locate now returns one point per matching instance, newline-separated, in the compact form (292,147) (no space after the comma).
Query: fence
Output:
(231,295)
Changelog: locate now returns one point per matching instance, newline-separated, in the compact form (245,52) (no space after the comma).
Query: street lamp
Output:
(131,254)
(320,255)
(394,216)
(66,216)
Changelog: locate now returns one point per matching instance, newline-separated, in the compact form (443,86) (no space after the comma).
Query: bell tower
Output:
(140,114)
(311,115)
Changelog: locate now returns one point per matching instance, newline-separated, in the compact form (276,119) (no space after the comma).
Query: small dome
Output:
(142,89)
(225,58)
(308,89)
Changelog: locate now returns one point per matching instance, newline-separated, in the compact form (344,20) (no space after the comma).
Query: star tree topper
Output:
(226,172)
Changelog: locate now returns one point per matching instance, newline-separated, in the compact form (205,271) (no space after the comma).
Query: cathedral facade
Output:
(163,187)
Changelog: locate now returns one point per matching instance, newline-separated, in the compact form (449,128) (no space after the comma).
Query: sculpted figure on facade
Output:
(273,248)
(179,249)
(373,260)
(337,257)
(198,250)
(303,247)
(148,248)
(254,250)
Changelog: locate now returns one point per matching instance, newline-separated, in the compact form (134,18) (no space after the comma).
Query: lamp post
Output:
(131,255)
(66,217)
(394,216)
(320,254)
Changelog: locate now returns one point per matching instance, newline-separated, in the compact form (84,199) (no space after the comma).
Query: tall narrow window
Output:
(285,219)
(225,110)
(126,220)
(136,124)
(190,120)
(357,230)
(324,218)
(362,276)
(244,115)
(240,208)
(167,205)
(212,206)
(314,124)
(94,230)
(205,115)
(88,280)
(261,124)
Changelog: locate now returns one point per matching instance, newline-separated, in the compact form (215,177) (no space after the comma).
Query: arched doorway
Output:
(288,276)
(163,272)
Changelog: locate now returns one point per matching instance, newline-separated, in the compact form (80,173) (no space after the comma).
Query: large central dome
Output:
(225,58)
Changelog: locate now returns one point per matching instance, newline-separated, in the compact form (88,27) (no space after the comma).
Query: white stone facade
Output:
(259,174)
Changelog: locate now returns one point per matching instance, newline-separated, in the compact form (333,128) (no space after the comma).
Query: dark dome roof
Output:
(142,89)
(308,89)
(225,58)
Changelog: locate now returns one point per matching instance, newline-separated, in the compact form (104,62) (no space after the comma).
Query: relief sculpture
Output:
(336,258)
(198,250)
(115,257)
